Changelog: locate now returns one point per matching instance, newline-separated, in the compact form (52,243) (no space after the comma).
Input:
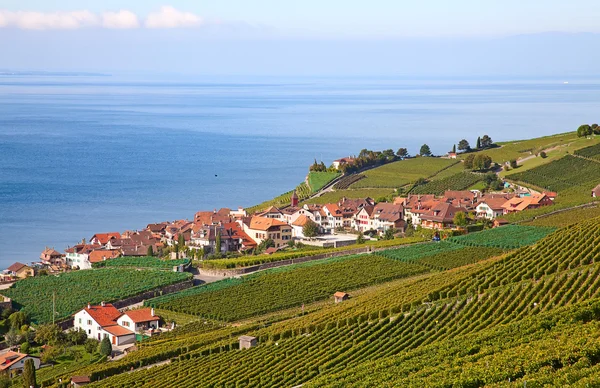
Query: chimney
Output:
(89,306)
(152,311)
(102,304)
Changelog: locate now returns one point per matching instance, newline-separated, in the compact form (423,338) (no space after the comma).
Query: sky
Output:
(206,36)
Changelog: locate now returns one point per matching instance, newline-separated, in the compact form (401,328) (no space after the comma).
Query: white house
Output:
(105,320)
(292,213)
(491,207)
(362,220)
(335,217)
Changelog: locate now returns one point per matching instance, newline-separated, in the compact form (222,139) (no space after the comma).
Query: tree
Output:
(486,141)
(310,229)
(513,163)
(463,145)
(25,347)
(402,153)
(543,155)
(361,238)
(150,251)
(584,130)
(478,143)
(29,374)
(51,353)
(453,148)
(425,150)
(460,219)
(595,129)
(469,162)
(12,338)
(17,320)
(218,243)
(181,242)
(105,347)
(91,345)
(482,162)
(76,336)
(389,234)
(49,335)
(265,244)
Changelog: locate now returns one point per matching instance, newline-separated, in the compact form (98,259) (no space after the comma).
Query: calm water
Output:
(80,155)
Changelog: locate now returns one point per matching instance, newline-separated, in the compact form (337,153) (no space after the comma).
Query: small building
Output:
(50,255)
(20,270)
(340,297)
(79,381)
(140,319)
(500,222)
(451,155)
(341,162)
(247,342)
(596,192)
(13,362)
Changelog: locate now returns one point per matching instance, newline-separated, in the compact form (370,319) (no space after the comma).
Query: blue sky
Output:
(359,18)
(316,37)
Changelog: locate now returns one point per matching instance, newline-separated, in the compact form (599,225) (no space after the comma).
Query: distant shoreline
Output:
(52,74)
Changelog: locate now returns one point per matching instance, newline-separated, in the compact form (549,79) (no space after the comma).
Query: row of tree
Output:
(482,143)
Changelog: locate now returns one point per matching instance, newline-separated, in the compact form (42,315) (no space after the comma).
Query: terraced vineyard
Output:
(141,262)
(285,287)
(592,152)
(76,289)
(396,174)
(506,237)
(302,190)
(562,174)
(459,321)
(460,181)
(347,181)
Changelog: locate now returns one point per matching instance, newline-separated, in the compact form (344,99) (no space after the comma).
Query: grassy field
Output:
(316,180)
(335,196)
(400,173)
(566,218)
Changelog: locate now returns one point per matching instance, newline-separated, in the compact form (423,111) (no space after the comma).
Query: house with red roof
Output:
(103,238)
(104,320)
(440,216)
(387,216)
(19,270)
(12,363)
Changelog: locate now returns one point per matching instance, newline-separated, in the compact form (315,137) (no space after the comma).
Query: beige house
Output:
(19,270)
(262,228)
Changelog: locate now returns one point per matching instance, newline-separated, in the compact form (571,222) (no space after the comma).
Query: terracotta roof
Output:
(16,267)
(596,190)
(104,237)
(264,223)
(141,315)
(340,294)
(442,212)
(414,200)
(99,255)
(494,203)
(104,315)
(291,210)
(388,212)
(80,379)
(334,209)
(301,221)
(522,203)
(157,228)
(9,358)
(51,252)
(239,232)
(464,195)
(117,330)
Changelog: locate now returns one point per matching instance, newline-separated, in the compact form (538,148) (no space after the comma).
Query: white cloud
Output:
(169,17)
(120,19)
(28,20)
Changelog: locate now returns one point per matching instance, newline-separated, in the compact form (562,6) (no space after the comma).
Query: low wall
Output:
(68,323)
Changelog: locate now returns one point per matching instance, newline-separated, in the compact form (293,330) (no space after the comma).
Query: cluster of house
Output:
(235,230)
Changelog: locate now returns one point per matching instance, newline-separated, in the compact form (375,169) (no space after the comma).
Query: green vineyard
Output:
(76,289)
(592,152)
(317,180)
(460,181)
(141,262)
(562,174)
(506,237)
(285,287)
(535,287)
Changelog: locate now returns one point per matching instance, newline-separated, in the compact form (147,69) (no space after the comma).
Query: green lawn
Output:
(400,173)
(316,180)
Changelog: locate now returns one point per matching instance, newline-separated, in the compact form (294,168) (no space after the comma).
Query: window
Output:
(89,322)
(80,321)
(125,323)
(105,335)
(89,332)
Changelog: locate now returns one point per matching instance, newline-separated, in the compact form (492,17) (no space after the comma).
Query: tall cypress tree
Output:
(218,243)
(29,374)
(454,148)
(478,142)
